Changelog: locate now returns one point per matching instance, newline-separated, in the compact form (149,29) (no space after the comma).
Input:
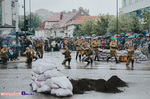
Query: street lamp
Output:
(30,14)
(25,18)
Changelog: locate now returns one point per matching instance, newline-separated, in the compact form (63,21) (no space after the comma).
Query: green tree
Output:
(35,21)
(77,31)
(146,18)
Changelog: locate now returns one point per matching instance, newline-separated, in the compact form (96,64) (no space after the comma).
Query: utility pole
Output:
(117,18)
(25,18)
(30,14)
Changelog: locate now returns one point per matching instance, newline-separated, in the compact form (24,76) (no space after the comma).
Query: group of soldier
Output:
(87,50)
(30,53)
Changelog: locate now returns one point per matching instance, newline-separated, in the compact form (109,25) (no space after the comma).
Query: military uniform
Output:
(130,57)
(39,47)
(33,54)
(113,47)
(4,55)
(66,43)
(29,56)
(89,55)
(78,49)
(95,46)
(67,57)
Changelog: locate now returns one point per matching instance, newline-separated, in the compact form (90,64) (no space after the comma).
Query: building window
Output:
(124,2)
(130,1)
(0,12)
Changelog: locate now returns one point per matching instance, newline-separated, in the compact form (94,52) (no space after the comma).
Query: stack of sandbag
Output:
(47,79)
(104,53)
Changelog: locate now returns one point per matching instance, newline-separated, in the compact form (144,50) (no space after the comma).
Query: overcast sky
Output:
(95,6)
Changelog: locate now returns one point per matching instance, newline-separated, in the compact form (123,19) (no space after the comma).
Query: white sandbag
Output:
(63,82)
(51,84)
(33,78)
(41,78)
(61,92)
(52,73)
(41,68)
(40,83)
(34,74)
(44,88)
(34,86)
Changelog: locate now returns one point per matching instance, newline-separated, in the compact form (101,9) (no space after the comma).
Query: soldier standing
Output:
(96,44)
(78,48)
(28,55)
(4,55)
(130,56)
(113,47)
(39,46)
(89,55)
(67,56)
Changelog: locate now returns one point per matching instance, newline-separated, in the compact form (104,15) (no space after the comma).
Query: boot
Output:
(88,63)
(108,59)
(132,64)
(79,57)
(68,63)
(76,57)
(95,58)
(91,62)
(116,61)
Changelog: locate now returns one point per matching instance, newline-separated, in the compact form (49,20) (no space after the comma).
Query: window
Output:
(0,12)
(124,2)
(130,1)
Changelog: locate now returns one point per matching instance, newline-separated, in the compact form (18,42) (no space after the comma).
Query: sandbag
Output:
(63,82)
(41,68)
(44,88)
(41,78)
(51,84)
(34,86)
(61,92)
(40,83)
(52,73)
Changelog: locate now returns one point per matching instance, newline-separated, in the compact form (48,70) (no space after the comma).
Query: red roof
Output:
(82,18)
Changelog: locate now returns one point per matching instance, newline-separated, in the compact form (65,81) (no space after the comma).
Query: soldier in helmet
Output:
(130,57)
(39,46)
(78,44)
(89,55)
(28,55)
(67,56)
(113,47)
(96,44)
(32,52)
(4,55)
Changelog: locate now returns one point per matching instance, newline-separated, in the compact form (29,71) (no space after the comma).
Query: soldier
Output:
(130,56)
(32,52)
(96,44)
(144,50)
(89,55)
(113,47)
(66,43)
(67,56)
(39,46)
(4,55)
(91,43)
(28,55)
(78,48)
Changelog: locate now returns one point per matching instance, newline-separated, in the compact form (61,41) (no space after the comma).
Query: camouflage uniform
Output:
(78,49)
(96,44)
(130,57)
(113,47)
(4,55)
(39,46)
(67,57)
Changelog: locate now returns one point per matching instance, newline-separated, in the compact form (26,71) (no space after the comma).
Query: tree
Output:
(77,31)
(35,21)
(146,18)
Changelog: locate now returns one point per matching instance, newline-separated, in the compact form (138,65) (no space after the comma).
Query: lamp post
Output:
(25,18)
(117,18)
(30,14)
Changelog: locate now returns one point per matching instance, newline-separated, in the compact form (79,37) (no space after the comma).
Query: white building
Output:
(6,16)
(134,5)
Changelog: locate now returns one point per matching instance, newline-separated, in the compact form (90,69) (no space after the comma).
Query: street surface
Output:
(15,77)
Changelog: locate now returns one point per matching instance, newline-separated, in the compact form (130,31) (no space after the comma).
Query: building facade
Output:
(129,6)
(6,18)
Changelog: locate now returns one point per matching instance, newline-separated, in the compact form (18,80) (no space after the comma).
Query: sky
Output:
(95,7)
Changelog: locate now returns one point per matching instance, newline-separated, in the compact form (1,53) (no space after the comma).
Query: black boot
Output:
(116,61)
(88,63)
(79,57)
(76,57)
(95,58)
(68,63)
(108,59)
(132,64)
(91,62)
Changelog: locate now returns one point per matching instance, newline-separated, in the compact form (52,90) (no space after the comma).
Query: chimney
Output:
(61,15)
(80,9)
(73,10)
